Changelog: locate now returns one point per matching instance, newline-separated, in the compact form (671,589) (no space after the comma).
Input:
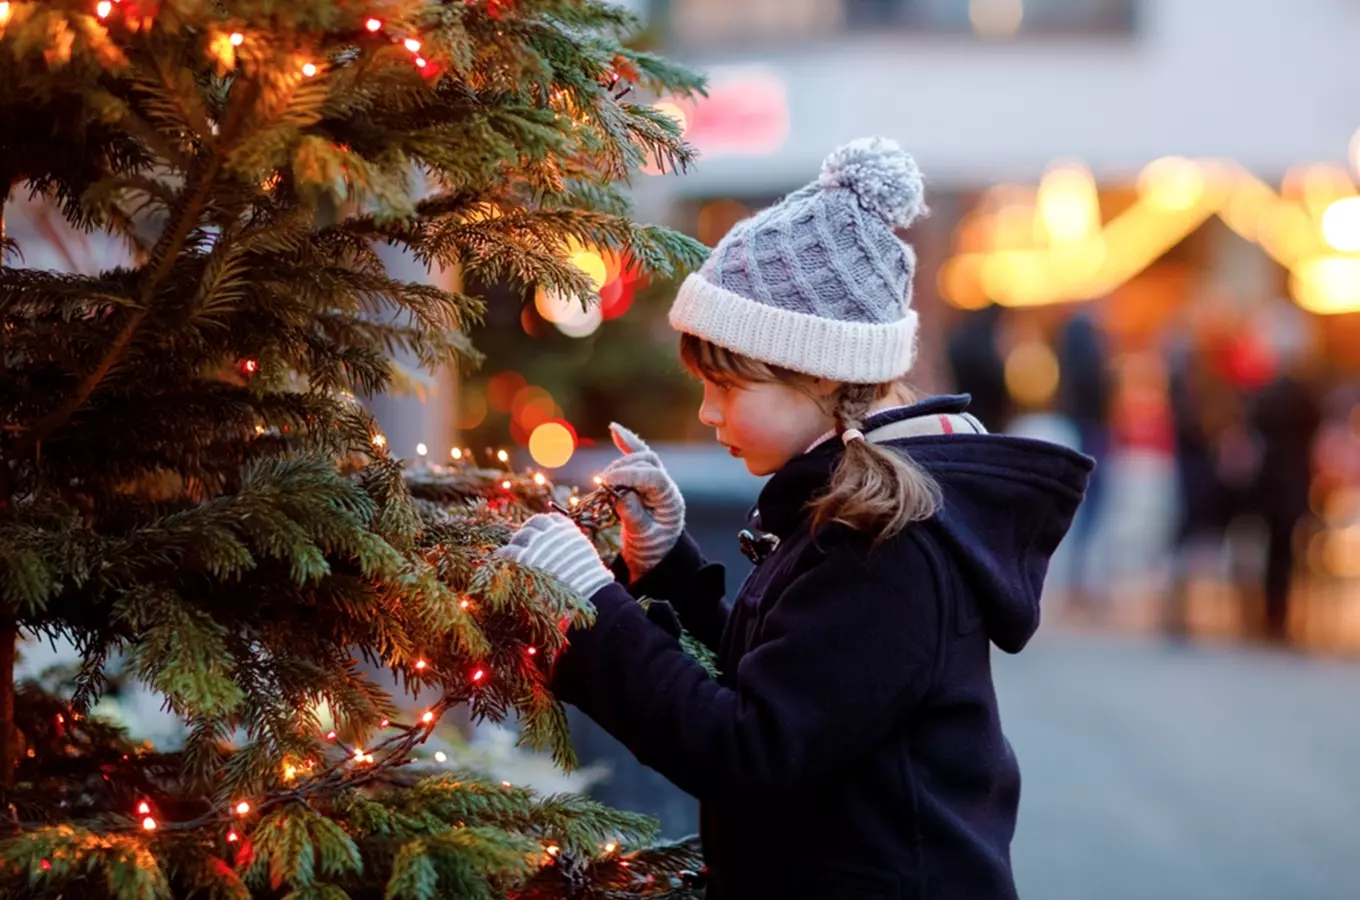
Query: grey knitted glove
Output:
(554,544)
(653,512)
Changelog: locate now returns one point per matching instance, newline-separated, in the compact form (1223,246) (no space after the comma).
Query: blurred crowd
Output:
(1256,438)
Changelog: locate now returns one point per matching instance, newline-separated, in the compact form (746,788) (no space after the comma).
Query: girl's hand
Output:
(652,512)
(554,544)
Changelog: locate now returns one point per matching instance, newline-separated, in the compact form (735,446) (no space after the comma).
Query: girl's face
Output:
(765,423)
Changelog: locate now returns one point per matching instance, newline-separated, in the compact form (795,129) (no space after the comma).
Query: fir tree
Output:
(190,490)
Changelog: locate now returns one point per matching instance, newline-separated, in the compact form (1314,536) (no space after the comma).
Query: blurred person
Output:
(978,369)
(850,745)
(1084,389)
(1215,454)
(1287,416)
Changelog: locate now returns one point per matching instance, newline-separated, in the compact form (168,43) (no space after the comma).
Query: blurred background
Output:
(1145,244)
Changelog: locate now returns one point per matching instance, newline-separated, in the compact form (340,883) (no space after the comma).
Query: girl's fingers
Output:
(626,440)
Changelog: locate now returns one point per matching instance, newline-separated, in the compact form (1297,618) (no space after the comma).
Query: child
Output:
(850,746)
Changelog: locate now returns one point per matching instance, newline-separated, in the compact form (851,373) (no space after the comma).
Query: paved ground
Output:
(1161,772)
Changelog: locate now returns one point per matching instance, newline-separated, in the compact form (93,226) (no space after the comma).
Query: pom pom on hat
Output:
(882,175)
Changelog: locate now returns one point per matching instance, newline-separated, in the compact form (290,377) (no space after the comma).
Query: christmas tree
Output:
(191,490)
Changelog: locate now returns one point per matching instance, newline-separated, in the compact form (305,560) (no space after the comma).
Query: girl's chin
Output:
(758,467)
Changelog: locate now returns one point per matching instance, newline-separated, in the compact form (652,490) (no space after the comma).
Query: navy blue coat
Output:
(851,746)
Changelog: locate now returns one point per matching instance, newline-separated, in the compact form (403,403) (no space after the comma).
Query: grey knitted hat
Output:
(819,283)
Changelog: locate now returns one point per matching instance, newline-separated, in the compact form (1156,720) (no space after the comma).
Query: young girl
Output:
(850,746)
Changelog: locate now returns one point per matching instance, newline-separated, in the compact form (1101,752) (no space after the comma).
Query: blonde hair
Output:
(873,489)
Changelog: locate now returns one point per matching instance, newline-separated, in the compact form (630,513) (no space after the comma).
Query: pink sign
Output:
(746,113)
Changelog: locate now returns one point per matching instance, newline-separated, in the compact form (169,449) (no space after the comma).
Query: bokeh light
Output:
(1172,183)
(472,409)
(551,445)
(501,389)
(571,316)
(1032,373)
(1341,224)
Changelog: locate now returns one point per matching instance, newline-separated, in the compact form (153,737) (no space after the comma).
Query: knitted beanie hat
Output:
(819,283)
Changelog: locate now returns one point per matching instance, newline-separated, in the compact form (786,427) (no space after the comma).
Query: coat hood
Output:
(1008,502)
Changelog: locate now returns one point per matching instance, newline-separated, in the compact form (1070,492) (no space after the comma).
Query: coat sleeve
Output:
(847,649)
(693,586)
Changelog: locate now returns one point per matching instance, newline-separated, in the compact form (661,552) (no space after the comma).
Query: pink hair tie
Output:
(851,434)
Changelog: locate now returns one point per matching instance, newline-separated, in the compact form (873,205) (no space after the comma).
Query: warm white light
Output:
(308,69)
(242,808)
(422,450)
(373,25)
(1341,224)
(440,756)
(502,456)
(412,44)
(237,39)
(1173,183)
(103,8)
(427,718)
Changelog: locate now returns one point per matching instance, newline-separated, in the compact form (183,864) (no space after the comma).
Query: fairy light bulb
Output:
(610,847)
(358,754)
(428,717)
(505,784)
(309,69)
(540,479)
(553,850)
(456,453)
(572,501)
(411,44)
(421,62)
(532,651)
(440,756)
(232,836)
(373,25)
(502,456)
(479,675)
(4,12)
(422,450)
(103,8)
(143,808)
(237,39)
(330,735)
(384,723)
(464,603)
(148,824)
(242,808)
(289,772)
(420,665)
(506,484)
(598,479)
(379,440)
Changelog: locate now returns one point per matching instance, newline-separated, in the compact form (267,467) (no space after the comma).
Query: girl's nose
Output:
(710,413)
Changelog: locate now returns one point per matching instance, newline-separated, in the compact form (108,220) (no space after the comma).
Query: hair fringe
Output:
(873,489)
